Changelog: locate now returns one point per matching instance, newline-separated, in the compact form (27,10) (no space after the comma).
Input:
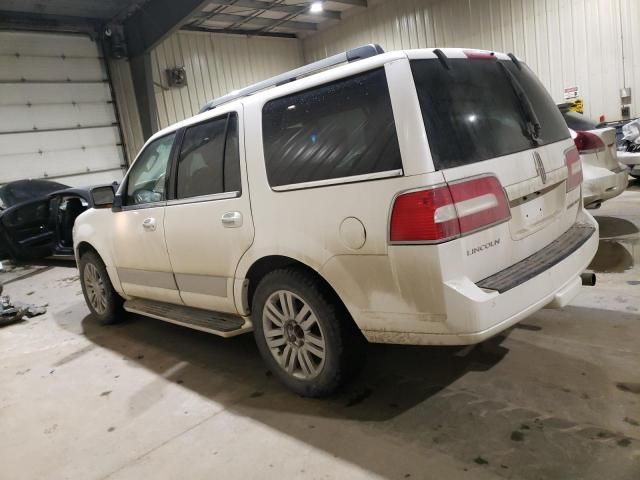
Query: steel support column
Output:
(145,96)
(144,30)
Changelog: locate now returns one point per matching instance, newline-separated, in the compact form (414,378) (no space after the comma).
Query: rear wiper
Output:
(533,126)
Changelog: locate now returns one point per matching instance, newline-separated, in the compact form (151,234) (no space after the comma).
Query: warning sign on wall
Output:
(571,93)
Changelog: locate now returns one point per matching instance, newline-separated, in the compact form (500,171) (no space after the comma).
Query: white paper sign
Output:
(571,93)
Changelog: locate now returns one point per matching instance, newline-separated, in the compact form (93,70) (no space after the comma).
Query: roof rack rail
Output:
(352,55)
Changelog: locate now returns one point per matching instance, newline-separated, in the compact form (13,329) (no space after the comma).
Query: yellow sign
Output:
(577,106)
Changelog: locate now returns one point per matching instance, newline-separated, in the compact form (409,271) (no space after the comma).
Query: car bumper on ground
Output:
(604,187)
(475,314)
(632,161)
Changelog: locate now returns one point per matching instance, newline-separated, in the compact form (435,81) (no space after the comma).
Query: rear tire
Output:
(103,301)
(304,334)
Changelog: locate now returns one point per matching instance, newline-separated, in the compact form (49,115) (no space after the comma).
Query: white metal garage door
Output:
(57,117)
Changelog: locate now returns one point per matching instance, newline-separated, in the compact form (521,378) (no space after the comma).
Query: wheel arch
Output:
(264,265)
(84,247)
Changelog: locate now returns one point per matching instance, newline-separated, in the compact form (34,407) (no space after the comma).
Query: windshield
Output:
(482,109)
(23,190)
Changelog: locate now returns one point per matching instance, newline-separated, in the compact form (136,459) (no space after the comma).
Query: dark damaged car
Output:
(37,216)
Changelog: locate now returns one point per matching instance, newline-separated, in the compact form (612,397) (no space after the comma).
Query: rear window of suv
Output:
(472,113)
(336,130)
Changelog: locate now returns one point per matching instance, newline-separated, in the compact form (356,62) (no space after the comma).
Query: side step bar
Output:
(222,324)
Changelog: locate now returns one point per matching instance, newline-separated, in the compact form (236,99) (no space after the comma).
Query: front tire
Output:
(103,301)
(304,334)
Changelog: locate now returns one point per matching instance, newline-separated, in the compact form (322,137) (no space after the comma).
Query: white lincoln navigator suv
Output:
(424,197)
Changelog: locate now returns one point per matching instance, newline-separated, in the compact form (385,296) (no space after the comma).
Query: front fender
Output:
(93,228)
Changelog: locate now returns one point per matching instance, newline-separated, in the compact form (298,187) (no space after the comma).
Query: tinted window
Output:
(577,121)
(340,129)
(146,180)
(472,113)
(209,159)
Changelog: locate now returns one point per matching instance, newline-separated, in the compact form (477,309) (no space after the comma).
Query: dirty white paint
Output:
(57,117)
(566,42)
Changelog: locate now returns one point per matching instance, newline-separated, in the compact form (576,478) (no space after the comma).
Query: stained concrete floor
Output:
(556,397)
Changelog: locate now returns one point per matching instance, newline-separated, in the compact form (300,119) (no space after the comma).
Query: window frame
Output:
(338,180)
(125,182)
(173,178)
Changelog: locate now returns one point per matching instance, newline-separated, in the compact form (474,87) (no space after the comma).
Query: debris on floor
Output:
(15,312)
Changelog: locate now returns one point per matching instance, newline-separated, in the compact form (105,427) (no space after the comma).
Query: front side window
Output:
(341,129)
(146,180)
(209,160)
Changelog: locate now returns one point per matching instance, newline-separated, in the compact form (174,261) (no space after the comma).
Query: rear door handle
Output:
(149,224)
(231,220)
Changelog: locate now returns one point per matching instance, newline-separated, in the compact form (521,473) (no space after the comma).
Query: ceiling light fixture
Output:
(316,7)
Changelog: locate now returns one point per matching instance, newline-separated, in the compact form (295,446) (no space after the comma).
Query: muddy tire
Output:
(304,333)
(103,301)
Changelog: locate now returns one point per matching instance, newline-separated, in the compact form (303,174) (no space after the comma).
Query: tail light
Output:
(587,142)
(448,211)
(574,168)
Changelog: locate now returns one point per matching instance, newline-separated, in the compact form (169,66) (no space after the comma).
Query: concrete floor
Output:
(556,397)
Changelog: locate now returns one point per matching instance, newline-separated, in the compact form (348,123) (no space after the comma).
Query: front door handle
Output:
(231,220)
(149,224)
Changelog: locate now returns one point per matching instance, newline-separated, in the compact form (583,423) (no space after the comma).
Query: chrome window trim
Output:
(141,206)
(204,198)
(339,180)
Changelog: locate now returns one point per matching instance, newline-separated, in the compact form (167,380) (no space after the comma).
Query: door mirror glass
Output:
(102,197)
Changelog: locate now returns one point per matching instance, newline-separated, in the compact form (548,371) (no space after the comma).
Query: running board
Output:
(222,324)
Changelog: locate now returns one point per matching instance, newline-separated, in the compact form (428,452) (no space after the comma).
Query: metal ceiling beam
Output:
(260,5)
(10,20)
(355,3)
(245,33)
(263,22)
(156,20)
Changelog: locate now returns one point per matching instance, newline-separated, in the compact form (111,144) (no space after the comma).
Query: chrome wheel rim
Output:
(294,335)
(96,291)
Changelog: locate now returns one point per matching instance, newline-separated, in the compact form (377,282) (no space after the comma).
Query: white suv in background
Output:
(425,197)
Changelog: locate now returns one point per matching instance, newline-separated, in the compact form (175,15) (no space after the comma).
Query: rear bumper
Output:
(597,190)
(630,159)
(474,314)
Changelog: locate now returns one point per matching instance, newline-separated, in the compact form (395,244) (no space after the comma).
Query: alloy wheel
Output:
(96,291)
(294,335)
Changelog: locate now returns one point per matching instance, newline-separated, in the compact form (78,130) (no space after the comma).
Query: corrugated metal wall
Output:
(215,64)
(566,42)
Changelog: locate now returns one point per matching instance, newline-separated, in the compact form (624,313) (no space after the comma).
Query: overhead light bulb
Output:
(316,7)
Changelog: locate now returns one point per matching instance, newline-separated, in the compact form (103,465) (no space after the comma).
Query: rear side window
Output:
(337,130)
(471,112)
(209,161)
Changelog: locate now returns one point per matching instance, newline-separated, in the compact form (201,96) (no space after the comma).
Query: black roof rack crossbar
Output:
(352,55)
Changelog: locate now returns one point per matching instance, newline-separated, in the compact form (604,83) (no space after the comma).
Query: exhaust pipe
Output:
(588,279)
